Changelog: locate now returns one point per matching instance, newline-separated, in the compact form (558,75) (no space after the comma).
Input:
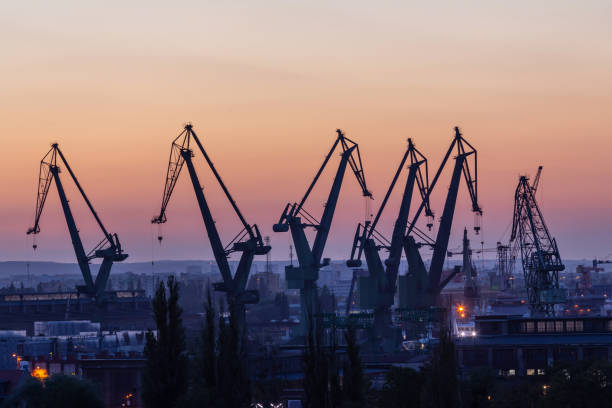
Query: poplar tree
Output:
(165,374)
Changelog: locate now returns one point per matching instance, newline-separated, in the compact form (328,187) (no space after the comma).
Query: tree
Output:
(479,388)
(321,380)
(402,388)
(353,380)
(220,377)
(58,391)
(165,374)
(203,390)
(581,384)
(232,371)
(441,386)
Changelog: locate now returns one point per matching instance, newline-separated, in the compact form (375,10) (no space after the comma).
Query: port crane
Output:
(586,282)
(296,219)
(377,291)
(505,262)
(539,252)
(505,265)
(108,249)
(248,241)
(471,288)
(420,288)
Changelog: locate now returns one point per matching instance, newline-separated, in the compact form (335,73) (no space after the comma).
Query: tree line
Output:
(216,374)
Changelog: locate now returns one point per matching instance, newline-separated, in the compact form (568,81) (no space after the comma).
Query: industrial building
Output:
(517,345)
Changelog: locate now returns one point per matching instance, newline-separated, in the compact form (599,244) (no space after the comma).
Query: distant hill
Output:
(11,268)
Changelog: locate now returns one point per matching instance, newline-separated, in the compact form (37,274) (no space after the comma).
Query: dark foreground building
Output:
(516,345)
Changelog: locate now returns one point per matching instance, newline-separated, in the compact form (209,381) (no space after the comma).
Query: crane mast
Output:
(296,219)
(420,288)
(539,252)
(377,290)
(505,266)
(108,249)
(248,241)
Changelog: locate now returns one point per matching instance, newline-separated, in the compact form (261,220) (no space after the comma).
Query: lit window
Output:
(540,371)
(541,326)
(530,371)
(569,325)
(511,372)
(550,326)
(579,326)
(559,326)
(529,327)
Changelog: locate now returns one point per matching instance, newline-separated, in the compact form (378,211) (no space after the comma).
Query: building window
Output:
(529,327)
(559,326)
(569,325)
(610,325)
(579,326)
(540,371)
(511,372)
(530,371)
(550,326)
(541,326)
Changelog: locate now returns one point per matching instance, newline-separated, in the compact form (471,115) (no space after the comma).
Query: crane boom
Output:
(109,249)
(304,276)
(381,282)
(248,241)
(428,284)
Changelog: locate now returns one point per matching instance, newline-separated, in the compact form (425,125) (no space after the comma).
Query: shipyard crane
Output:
(248,241)
(296,219)
(586,282)
(377,291)
(539,252)
(108,249)
(600,262)
(470,288)
(505,262)
(420,288)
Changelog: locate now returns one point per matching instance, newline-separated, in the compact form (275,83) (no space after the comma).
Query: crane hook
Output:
(477,222)
(159,234)
(430,219)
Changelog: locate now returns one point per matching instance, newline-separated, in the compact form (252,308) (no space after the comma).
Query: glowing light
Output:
(40,373)
(473,334)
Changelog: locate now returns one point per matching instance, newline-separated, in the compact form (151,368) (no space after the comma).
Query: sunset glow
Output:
(265,89)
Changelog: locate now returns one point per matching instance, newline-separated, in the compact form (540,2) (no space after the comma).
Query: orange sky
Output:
(267,85)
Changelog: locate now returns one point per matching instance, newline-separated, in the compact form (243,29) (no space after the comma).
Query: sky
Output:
(266,84)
